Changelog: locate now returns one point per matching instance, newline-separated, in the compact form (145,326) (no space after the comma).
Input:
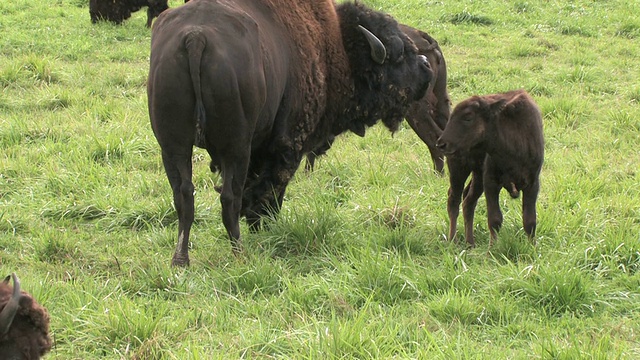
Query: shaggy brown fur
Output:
(28,336)
(498,139)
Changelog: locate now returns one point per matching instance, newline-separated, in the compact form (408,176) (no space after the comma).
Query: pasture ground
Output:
(356,265)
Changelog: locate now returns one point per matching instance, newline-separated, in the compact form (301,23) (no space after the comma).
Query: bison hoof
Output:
(236,247)
(180,260)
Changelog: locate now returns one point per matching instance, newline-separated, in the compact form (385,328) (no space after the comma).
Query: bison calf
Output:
(24,324)
(498,139)
(118,11)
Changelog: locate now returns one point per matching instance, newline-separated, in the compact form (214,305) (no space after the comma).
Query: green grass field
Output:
(356,265)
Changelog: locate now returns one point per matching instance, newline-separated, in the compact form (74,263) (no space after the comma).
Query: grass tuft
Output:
(557,290)
(466,17)
(514,248)
(629,30)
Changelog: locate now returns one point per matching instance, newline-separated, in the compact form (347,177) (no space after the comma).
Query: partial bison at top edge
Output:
(498,139)
(260,83)
(118,11)
(24,324)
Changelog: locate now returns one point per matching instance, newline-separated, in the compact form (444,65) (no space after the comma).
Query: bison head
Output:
(468,124)
(388,73)
(11,307)
(24,324)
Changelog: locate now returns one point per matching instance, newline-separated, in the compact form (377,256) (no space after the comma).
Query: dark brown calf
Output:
(498,139)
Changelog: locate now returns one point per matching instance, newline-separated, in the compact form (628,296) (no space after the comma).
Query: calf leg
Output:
(494,214)
(179,172)
(529,198)
(458,174)
(471,196)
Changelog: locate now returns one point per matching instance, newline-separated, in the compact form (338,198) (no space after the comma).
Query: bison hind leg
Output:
(179,173)
(529,198)
(234,176)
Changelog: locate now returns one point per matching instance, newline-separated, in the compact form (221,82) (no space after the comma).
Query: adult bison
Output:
(24,324)
(498,139)
(427,116)
(118,11)
(260,83)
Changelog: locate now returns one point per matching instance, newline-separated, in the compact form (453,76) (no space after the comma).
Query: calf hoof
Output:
(179,260)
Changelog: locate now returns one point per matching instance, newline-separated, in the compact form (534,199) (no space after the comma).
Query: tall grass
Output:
(356,265)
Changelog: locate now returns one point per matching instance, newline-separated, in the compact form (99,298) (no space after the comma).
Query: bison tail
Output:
(195,43)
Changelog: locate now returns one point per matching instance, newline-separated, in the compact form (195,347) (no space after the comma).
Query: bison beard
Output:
(260,83)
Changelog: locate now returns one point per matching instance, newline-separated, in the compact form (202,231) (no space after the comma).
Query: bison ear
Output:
(378,51)
(396,49)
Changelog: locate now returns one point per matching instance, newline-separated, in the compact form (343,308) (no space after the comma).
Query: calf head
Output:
(469,123)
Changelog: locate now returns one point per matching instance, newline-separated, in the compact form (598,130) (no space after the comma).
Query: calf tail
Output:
(195,43)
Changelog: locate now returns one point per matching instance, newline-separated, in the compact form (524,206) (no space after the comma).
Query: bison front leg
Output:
(267,200)
(179,173)
(266,194)
(529,198)
(471,195)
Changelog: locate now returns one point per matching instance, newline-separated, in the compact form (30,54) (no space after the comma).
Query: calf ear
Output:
(497,106)
(511,106)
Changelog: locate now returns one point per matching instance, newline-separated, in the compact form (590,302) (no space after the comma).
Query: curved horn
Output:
(378,51)
(10,310)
